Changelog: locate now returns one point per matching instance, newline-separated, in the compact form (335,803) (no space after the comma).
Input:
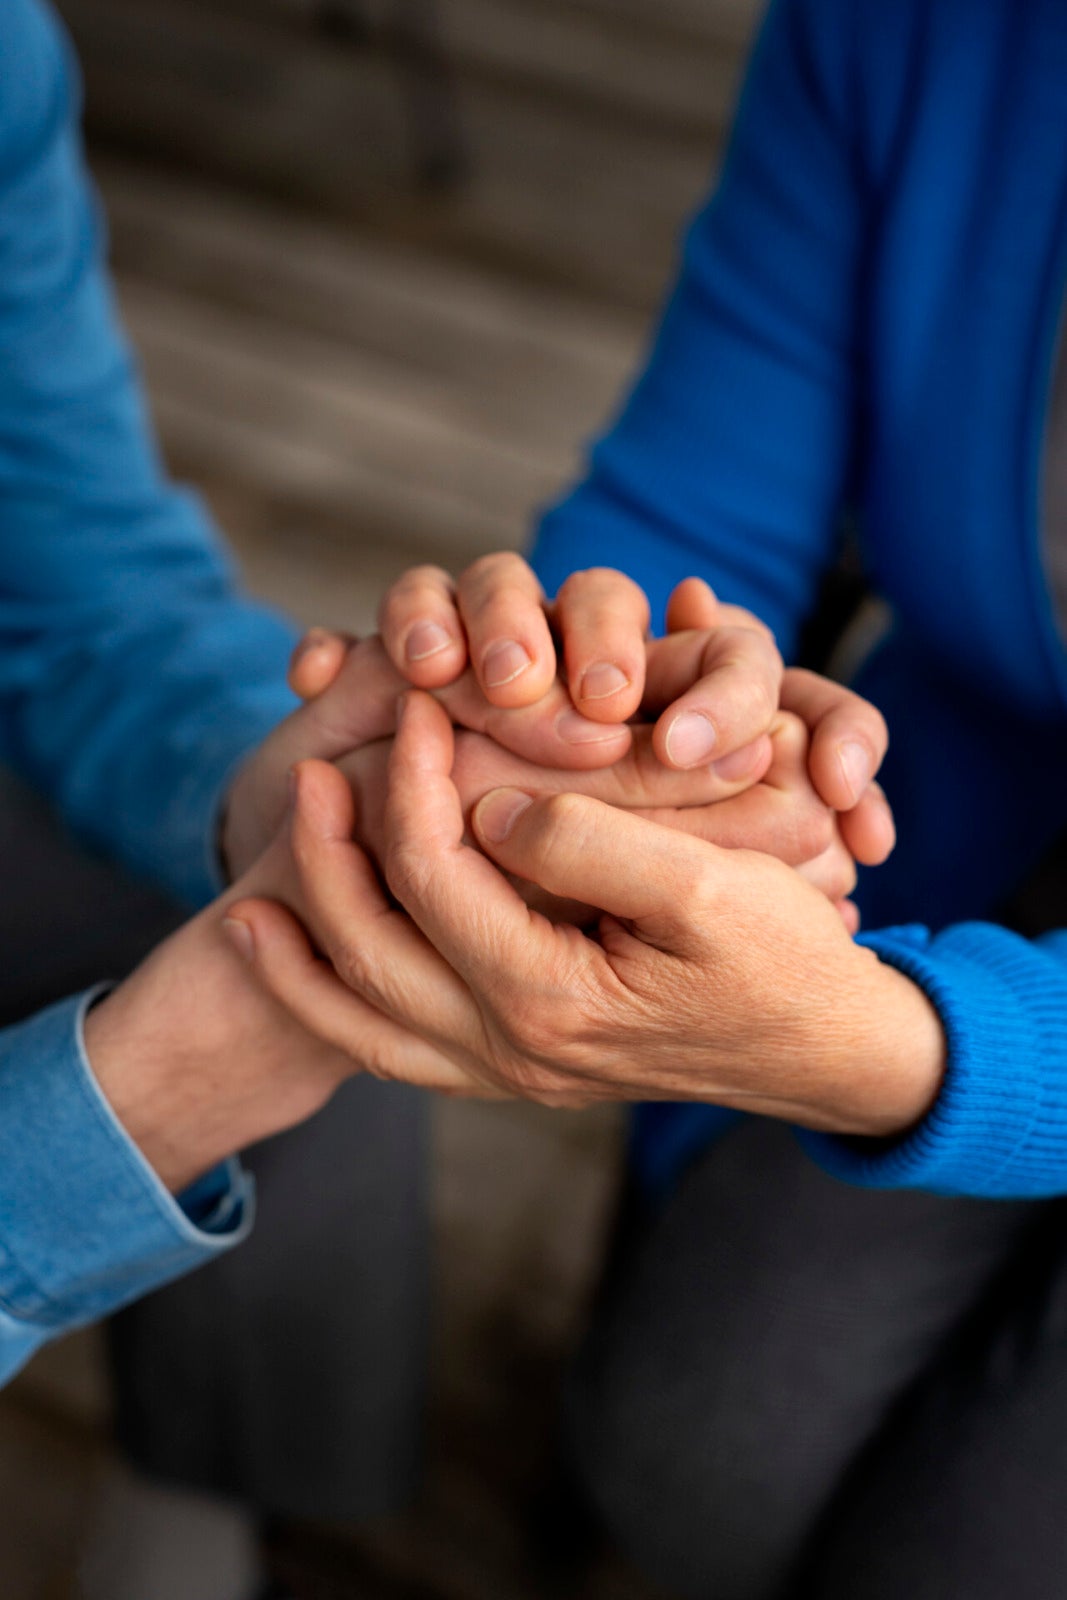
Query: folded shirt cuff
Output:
(85,1223)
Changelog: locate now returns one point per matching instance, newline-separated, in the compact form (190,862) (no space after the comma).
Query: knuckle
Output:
(814,829)
(560,825)
(406,870)
(790,742)
(702,891)
(491,574)
(350,962)
(415,587)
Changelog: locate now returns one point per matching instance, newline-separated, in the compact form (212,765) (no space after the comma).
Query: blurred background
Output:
(388,263)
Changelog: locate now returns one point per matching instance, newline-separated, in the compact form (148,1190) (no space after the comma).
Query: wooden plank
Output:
(680,70)
(292,414)
(557,188)
(540,364)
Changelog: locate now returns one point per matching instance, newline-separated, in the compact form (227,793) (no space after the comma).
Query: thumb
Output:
(582,849)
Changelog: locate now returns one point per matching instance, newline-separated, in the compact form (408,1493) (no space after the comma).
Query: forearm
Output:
(133,676)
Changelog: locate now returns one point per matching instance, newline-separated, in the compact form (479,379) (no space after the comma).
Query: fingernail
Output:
(739,763)
(504,663)
(496,814)
(602,679)
(426,639)
(856,766)
(312,640)
(690,738)
(240,936)
(573,728)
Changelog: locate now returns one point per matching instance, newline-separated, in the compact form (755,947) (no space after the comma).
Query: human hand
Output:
(726,680)
(351,688)
(495,615)
(781,814)
(716,975)
(849,737)
(198,1061)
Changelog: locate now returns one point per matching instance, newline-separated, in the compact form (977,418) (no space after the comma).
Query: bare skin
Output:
(714,974)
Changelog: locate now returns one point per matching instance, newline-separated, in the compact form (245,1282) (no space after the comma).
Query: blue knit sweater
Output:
(866,317)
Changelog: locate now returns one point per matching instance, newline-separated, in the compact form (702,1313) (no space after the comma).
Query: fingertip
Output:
(315,662)
(603,680)
(497,812)
(432,654)
(516,672)
(747,765)
(693,603)
(685,739)
(869,830)
(241,936)
(856,766)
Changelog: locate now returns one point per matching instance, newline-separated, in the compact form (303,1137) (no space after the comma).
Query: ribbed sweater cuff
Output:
(999,1125)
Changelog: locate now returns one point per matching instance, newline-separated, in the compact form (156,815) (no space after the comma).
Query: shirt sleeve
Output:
(134,676)
(85,1223)
(732,455)
(999,1125)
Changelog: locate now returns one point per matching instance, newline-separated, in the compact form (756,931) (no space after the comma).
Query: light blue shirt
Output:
(134,677)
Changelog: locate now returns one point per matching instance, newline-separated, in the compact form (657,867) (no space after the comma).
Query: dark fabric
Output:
(756,1342)
(291,1372)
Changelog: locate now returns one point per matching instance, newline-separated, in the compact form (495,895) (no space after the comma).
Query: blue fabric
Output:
(85,1224)
(134,677)
(865,319)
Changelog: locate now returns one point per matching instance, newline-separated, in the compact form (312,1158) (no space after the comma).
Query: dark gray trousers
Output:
(291,1372)
(795,1389)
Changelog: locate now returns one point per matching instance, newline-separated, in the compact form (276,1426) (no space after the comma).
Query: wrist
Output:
(891,1061)
(196,1062)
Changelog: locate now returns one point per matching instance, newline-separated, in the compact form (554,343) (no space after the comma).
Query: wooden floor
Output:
(359,374)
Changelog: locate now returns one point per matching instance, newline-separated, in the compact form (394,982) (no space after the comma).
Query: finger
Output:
(550,733)
(833,872)
(501,604)
(282,958)
(421,628)
(720,690)
(849,737)
(580,848)
(637,780)
(455,894)
(373,947)
(316,661)
(849,914)
(602,618)
(695,605)
(868,829)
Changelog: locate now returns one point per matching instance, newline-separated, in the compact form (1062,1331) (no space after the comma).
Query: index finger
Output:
(602,618)
(849,737)
(419,623)
(720,689)
(503,610)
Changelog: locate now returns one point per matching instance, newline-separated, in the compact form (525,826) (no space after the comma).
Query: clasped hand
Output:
(712,973)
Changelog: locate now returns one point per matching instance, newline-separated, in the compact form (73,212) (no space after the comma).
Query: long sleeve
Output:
(999,1125)
(133,675)
(85,1224)
(731,457)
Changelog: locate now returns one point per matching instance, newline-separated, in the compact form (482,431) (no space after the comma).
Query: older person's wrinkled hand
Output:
(714,974)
